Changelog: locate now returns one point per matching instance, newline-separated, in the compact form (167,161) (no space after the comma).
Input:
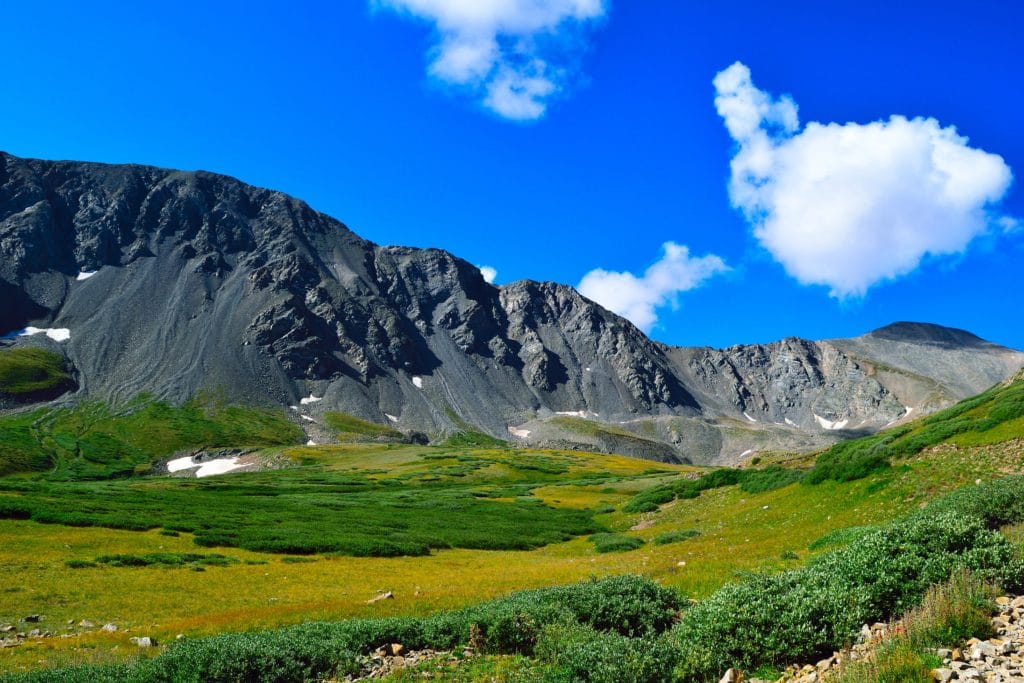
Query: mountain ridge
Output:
(171,282)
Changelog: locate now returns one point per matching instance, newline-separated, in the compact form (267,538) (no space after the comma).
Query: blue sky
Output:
(587,138)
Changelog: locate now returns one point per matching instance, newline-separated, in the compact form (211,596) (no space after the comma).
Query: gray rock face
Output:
(173,283)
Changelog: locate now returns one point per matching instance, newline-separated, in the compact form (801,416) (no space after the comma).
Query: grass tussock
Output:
(950,613)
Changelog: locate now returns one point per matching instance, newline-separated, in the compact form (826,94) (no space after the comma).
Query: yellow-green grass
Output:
(738,532)
(28,371)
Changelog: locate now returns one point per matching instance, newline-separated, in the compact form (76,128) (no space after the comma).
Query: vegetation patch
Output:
(27,371)
(472,439)
(303,511)
(92,441)
(615,543)
(351,428)
(675,536)
(751,481)
(163,560)
(977,421)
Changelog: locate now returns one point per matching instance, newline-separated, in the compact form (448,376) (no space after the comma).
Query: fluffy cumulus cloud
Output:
(639,298)
(850,205)
(509,53)
(489,273)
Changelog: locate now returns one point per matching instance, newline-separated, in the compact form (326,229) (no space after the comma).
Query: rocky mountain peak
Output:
(171,283)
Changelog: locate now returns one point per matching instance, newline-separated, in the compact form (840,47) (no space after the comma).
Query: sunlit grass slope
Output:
(92,441)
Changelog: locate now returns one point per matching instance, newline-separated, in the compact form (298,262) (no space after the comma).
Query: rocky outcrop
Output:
(172,283)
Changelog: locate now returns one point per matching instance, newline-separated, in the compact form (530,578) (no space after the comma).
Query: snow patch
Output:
(307,418)
(746,453)
(829,424)
(586,369)
(790,422)
(294,407)
(748,416)
(417,382)
(909,411)
(85,275)
(179,464)
(391,417)
(585,414)
(218,466)
(311,443)
(310,399)
(58,334)
(521,433)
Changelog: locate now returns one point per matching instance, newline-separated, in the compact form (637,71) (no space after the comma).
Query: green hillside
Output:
(457,532)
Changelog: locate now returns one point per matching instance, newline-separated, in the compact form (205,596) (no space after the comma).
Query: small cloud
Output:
(488,273)
(639,298)
(1008,224)
(504,51)
(851,205)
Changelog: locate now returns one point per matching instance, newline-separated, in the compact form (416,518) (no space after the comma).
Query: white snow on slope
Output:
(307,418)
(59,334)
(829,424)
(521,433)
(180,464)
(790,422)
(218,466)
(585,414)
(748,417)
(391,417)
(85,275)
(310,399)
(418,382)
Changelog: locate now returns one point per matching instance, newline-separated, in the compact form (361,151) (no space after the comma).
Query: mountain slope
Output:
(170,283)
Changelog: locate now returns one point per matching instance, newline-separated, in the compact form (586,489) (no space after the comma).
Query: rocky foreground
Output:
(996,660)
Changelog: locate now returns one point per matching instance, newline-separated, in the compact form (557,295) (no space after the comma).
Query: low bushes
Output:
(751,481)
(615,543)
(631,629)
(675,536)
(807,613)
(623,608)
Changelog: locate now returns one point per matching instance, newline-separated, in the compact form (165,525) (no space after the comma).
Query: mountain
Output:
(171,283)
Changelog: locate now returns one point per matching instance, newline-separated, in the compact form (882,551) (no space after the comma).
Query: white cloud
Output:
(500,50)
(638,298)
(851,205)
(488,273)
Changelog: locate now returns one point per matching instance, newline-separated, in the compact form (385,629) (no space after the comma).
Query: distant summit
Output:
(927,333)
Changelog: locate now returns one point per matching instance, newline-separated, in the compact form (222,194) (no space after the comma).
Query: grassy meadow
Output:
(439,527)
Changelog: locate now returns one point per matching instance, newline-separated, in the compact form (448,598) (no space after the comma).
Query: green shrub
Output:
(627,606)
(675,536)
(580,653)
(615,543)
(752,481)
(768,479)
